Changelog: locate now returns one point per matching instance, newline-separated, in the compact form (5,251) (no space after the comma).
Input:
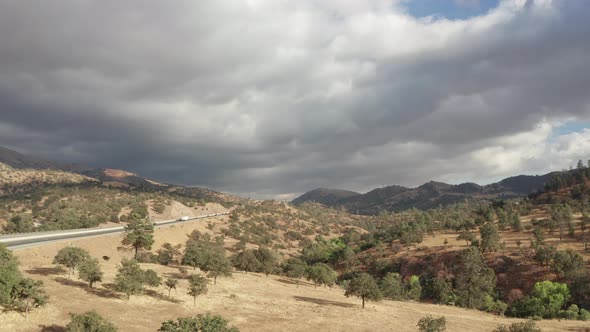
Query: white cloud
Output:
(277,97)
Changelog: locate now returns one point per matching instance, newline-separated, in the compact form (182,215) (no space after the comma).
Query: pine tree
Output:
(474,279)
(139,234)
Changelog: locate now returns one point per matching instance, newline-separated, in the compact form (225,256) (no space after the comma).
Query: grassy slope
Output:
(252,302)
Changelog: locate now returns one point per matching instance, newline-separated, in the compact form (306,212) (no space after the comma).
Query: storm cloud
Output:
(272,98)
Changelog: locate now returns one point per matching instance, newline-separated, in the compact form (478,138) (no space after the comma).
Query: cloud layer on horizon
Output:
(273,98)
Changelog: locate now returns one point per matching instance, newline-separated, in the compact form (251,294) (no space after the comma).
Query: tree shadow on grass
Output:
(46,271)
(106,292)
(161,297)
(323,302)
(253,274)
(51,328)
(175,275)
(294,282)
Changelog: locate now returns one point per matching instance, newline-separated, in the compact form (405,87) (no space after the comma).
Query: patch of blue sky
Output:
(572,126)
(450,9)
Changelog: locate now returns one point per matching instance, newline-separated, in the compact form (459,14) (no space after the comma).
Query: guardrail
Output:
(12,240)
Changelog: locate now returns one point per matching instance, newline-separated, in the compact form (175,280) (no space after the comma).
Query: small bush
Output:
(90,321)
(529,326)
(202,323)
(431,324)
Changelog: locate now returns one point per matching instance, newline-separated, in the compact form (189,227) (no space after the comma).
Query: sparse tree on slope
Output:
(197,285)
(217,265)
(321,274)
(131,279)
(28,294)
(71,257)
(171,284)
(246,261)
(269,262)
(89,271)
(295,268)
(139,234)
(10,276)
(363,286)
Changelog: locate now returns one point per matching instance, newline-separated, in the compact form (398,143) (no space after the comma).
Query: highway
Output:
(25,240)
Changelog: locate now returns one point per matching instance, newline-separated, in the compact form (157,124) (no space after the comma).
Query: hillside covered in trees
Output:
(427,196)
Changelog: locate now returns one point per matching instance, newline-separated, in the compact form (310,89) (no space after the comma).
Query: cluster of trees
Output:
(70,207)
(579,175)
(131,279)
(17,292)
(73,258)
(89,321)
(262,260)
(548,300)
(200,323)
(206,254)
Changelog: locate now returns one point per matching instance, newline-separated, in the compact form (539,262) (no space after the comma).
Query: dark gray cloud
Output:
(270,99)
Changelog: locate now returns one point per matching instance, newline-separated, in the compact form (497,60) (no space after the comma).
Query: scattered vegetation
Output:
(89,321)
(431,324)
(16,292)
(200,323)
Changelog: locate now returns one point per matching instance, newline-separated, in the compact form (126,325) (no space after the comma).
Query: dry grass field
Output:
(252,302)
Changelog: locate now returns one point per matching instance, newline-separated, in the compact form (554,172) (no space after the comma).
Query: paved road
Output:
(20,241)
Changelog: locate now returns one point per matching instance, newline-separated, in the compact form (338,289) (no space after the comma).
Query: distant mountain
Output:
(427,196)
(16,161)
(325,196)
(21,161)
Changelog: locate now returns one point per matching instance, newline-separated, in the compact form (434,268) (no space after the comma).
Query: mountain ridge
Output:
(432,194)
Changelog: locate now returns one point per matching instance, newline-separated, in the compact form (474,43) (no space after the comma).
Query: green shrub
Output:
(200,323)
(89,321)
(529,326)
(431,324)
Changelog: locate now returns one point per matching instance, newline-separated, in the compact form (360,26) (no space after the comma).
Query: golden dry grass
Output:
(252,302)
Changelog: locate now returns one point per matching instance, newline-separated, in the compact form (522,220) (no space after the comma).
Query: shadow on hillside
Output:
(248,273)
(579,329)
(51,328)
(294,282)
(323,302)
(46,271)
(175,275)
(106,292)
(161,297)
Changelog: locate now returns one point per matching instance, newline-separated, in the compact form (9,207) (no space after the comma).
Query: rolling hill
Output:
(429,195)
(325,196)
(24,173)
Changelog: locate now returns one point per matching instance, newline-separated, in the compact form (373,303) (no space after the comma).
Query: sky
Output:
(271,98)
